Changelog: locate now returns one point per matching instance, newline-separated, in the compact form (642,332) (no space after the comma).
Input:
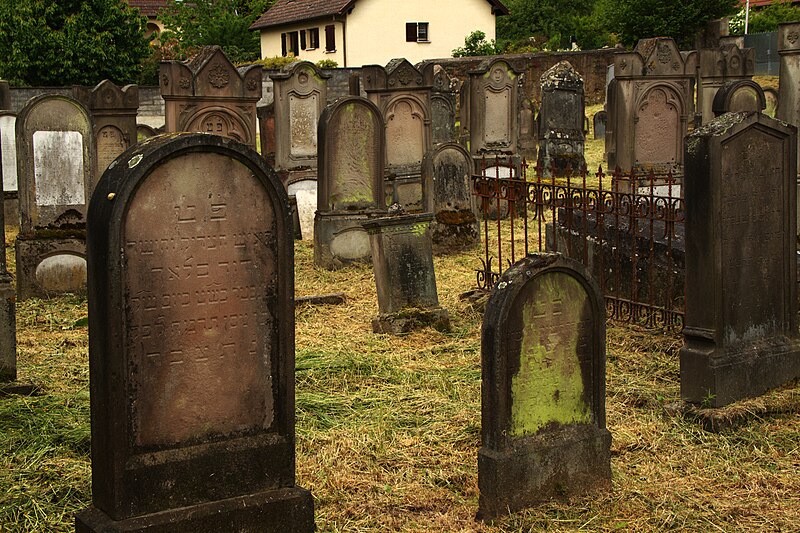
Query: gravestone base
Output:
(557,464)
(11,208)
(455,231)
(408,320)
(289,510)
(54,278)
(340,240)
(714,379)
(406,191)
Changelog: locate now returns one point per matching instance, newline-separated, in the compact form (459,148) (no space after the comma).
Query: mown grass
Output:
(388,428)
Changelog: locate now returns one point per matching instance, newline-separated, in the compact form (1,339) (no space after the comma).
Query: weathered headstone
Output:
(740,334)
(650,108)
(55,150)
(351,171)
(143,131)
(771,102)
(447,175)
(717,67)
(561,120)
(8,144)
(208,94)
(266,131)
(400,92)
(789,90)
(599,124)
(113,111)
(742,96)
(543,421)
(8,315)
(444,103)
(402,259)
(301,93)
(191,349)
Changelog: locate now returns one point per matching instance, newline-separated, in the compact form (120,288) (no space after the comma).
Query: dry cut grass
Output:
(388,428)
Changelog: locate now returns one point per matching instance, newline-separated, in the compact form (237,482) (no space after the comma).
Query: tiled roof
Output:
(148,8)
(288,11)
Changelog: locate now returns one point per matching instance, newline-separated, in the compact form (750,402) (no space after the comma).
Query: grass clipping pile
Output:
(388,428)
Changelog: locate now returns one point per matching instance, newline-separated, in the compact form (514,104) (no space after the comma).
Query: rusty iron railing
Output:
(626,228)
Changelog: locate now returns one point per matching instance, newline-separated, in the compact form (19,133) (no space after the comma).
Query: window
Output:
(417,32)
(302,39)
(330,38)
(290,44)
(313,38)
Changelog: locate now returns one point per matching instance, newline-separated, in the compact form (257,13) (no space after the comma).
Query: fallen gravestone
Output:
(543,387)
(191,344)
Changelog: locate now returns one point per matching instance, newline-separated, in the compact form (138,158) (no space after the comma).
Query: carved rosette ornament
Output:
(218,76)
(792,37)
(185,82)
(252,84)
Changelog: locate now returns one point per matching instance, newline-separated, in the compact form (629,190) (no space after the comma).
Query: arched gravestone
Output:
(209,95)
(543,387)
(447,179)
(55,171)
(191,343)
(494,92)
(740,332)
(351,170)
(739,96)
(719,66)
(599,124)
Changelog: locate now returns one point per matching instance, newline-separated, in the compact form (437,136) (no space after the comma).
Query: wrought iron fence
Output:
(626,228)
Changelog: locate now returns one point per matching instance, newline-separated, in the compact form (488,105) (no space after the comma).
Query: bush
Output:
(475,44)
(327,63)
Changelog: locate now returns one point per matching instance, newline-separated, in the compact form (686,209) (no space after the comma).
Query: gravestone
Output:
(771,102)
(650,108)
(143,131)
(191,344)
(528,130)
(55,150)
(266,131)
(717,67)
(351,171)
(404,99)
(599,124)
(444,103)
(561,120)
(543,422)
(8,316)
(8,144)
(742,96)
(113,111)
(789,90)
(301,93)
(493,109)
(402,259)
(207,94)
(740,332)
(447,174)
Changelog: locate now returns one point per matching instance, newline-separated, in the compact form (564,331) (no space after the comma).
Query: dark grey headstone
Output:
(191,343)
(599,122)
(543,387)
(742,96)
(740,335)
(561,120)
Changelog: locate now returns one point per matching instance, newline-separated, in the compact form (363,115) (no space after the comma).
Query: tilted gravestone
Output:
(301,93)
(191,344)
(650,108)
(719,66)
(113,111)
(742,96)
(447,175)
(402,258)
(351,171)
(560,121)
(55,151)
(404,98)
(543,422)
(208,94)
(740,333)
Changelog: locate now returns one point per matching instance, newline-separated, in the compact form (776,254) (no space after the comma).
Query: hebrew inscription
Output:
(110,143)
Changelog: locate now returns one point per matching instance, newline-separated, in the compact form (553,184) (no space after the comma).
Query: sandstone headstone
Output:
(191,350)
(207,94)
(8,316)
(740,334)
(351,186)
(560,121)
(739,96)
(444,103)
(402,259)
(447,174)
(543,422)
(266,131)
(55,150)
(789,91)
(771,102)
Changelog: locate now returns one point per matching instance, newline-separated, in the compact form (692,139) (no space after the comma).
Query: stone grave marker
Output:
(599,124)
(266,131)
(5,96)
(771,102)
(143,131)
(207,94)
(306,207)
(717,67)
(543,421)
(788,108)
(444,103)
(113,111)
(8,145)
(740,334)
(301,93)
(402,259)
(447,175)
(55,150)
(739,96)
(561,120)
(351,186)
(8,317)
(191,349)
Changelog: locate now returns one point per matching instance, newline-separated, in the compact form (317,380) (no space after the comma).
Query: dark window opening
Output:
(313,38)
(416,32)
(302,39)
(330,38)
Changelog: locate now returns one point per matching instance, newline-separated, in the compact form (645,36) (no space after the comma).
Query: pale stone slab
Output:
(306,207)
(58,168)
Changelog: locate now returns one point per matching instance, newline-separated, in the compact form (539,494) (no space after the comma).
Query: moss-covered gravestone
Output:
(543,387)
(191,343)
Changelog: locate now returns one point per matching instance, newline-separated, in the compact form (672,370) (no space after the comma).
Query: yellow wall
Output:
(376,31)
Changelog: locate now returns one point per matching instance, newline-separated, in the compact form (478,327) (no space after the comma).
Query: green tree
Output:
(475,44)
(632,20)
(222,22)
(765,19)
(555,22)
(43,42)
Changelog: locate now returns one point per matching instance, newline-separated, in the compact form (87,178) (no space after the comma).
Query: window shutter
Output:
(330,38)
(302,39)
(411,32)
(283,44)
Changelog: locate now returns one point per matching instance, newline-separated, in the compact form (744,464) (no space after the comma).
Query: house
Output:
(362,32)
(150,9)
